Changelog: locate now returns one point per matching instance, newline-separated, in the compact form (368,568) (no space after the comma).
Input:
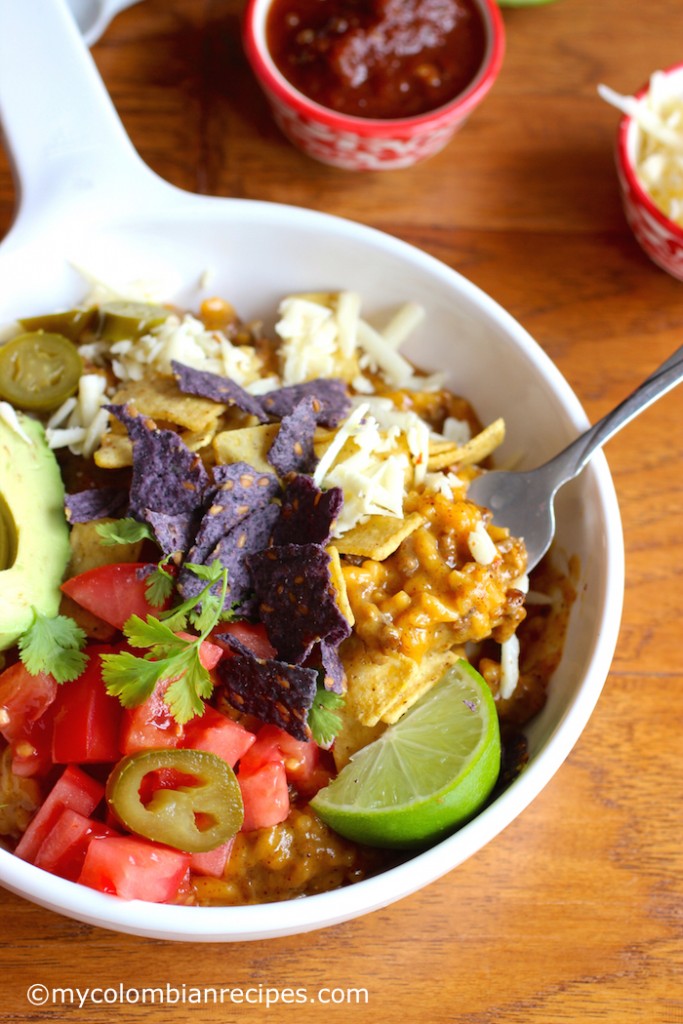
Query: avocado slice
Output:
(35,547)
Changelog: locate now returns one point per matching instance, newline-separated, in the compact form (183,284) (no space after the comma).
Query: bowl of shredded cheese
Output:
(650,165)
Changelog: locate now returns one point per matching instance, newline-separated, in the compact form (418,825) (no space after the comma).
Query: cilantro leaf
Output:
(130,678)
(211,612)
(170,658)
(323,722)
(123,531)
(184,695)
(212,572)
(159,586)
(153,633)
(53,645)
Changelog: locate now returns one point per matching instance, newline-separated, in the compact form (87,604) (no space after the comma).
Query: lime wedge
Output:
(425,775)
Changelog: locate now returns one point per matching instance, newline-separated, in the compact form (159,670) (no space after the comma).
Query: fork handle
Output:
(572,459)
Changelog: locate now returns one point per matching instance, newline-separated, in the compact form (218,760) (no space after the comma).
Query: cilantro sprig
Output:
(55,645)
(322,720)
(170,658)
(123,531)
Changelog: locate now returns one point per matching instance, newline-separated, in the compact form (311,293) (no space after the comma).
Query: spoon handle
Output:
(572,460)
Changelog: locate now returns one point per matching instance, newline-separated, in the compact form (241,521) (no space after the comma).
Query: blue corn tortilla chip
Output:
(296,599)
(96,503)
(335,676)
(275,692)
(331,402)
(292,450)
(172,533)
(217,388)
(240,491)
(167,476)
(307,514)
(233,551)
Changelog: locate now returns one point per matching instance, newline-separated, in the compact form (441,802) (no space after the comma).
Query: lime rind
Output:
(427,774)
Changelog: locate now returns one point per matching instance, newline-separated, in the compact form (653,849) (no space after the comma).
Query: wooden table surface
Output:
(573,914)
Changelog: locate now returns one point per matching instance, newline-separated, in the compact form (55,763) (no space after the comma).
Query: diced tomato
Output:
(134,869)
(302,761)
(252,635)
(218,734)
(32,746)
(75,790)
(209,653)
(23,698)
(113,592)
(87,719)
(212,863)
(149,725)
(63,850)
(265,795)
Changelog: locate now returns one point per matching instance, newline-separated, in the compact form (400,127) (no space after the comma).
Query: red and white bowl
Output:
(367,144)
(660,237)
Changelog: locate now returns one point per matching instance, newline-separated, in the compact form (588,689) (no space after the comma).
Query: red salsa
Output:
(377,58)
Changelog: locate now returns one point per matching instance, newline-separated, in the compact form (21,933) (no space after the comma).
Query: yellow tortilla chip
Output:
(429,671)
(339,584)
(352,736)
(437,447)
(378,537)
(474,451)
(115,451)
(375,680)
(251,444)
(197,439)
(160,398)
(382,685)
(88,551)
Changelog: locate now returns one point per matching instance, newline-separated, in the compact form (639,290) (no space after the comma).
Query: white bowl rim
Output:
(255,922)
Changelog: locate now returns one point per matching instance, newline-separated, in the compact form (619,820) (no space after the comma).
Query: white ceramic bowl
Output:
(108,212)
(93,16)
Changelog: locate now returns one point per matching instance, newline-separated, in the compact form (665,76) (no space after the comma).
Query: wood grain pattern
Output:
(573,914)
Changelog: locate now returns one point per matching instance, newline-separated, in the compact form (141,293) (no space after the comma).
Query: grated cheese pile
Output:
(659,155)
(321,335)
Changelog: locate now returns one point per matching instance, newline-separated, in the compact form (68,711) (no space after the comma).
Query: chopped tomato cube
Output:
(209,653)
(212,862)
(134,869)
(73,789)
(252,635)
(87,719)
(32,746)
(63,850)
(113,592)
(265,795)
(218,734)
(149,725)
(302,761)
(23,698)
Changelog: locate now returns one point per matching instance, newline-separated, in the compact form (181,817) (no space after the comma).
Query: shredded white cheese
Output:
(481,546)
(184,340)
(80,421)
(458,431)
(659,154)
(509,666)
(371,470)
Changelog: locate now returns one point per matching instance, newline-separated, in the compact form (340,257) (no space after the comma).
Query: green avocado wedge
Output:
(35,547)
